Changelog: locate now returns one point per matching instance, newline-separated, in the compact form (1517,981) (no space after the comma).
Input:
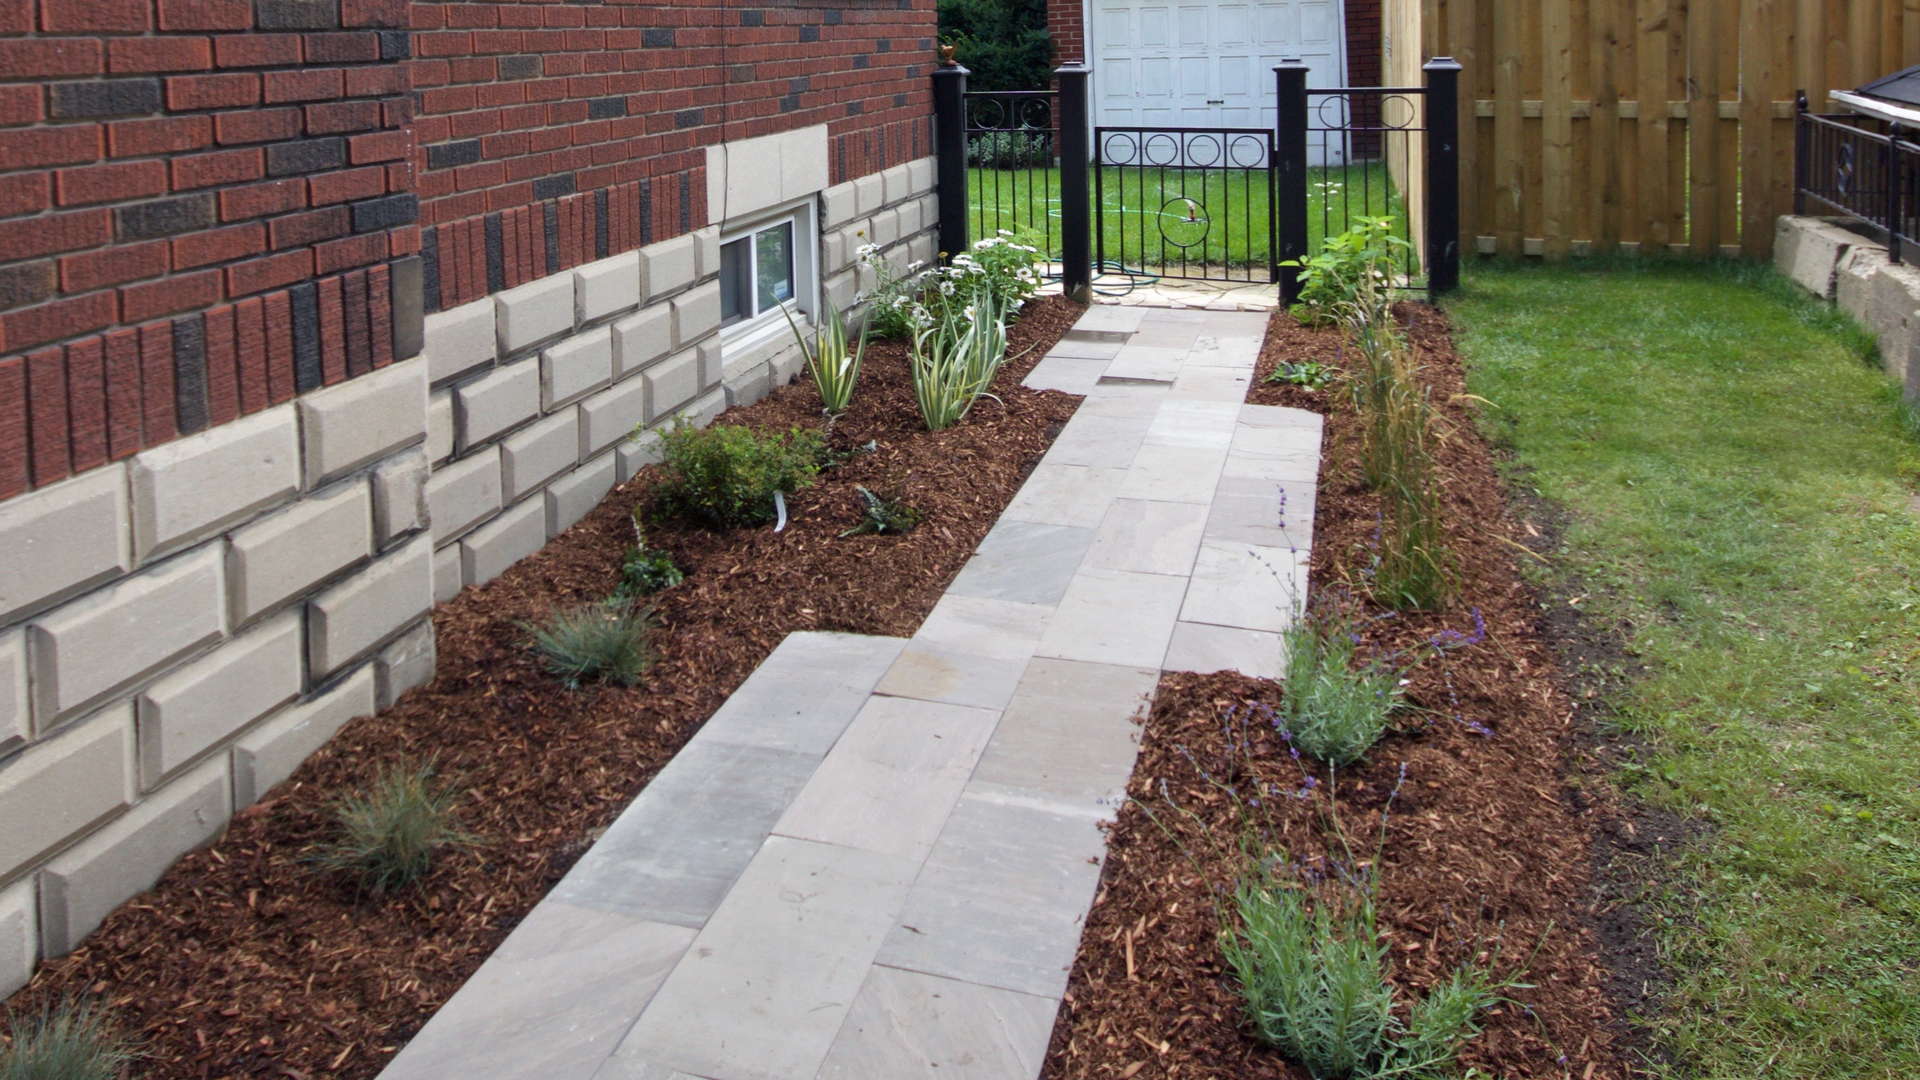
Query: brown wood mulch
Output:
(247,961)
(1485,857)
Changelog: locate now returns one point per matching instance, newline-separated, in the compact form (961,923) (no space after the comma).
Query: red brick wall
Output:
(550,135)
(1064,19)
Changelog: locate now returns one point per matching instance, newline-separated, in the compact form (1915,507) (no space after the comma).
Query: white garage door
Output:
(1206,63)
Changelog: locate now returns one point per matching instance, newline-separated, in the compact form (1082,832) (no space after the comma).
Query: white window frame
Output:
(771,325)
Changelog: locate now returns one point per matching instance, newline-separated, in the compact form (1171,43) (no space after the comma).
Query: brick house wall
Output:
(313,312)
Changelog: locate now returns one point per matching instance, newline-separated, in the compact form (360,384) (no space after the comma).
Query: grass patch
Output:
(1738,477)
(70,1041)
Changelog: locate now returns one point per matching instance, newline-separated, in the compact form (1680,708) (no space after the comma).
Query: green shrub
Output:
(1334,706)
(646,571)
(726,475)
(1003,43)
(390,833)
(879,515)
(1012,149)
(1331,279)
(70,1041)
(1313,971)
(1311,374)
(603,642)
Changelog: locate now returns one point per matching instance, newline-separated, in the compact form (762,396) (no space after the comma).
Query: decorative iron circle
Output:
(1341,115)
(1247,151)
(1034,112)
(1160,143)
(1199,145)
(1113,139)
(987,113)
(1398,111)
(1184,223)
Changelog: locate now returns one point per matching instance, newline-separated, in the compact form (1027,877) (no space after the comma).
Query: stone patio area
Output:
(875,860)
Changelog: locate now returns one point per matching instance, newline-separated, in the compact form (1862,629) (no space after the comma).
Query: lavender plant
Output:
(1335,704)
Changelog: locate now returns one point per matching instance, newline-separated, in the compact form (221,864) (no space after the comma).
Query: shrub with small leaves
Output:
(603,642)
(390,833)
(1335,706)
(883,516)
(726,475)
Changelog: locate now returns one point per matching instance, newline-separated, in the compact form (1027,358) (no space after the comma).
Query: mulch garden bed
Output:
(247,961)
(1486,850)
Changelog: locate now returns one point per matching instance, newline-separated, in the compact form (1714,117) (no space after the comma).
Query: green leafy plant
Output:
(1313,969)
(596,642)
(1335,705)
(1010,149)
(954,361)
(835,368)
(726,475)
(1006,264)
(881,515)
(1332,278)
(894,305)
(73,1040)
(1311,374)
(390,833)
(645,570)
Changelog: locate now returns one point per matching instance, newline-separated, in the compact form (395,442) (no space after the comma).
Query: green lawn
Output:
(1739,480)
(1146,211)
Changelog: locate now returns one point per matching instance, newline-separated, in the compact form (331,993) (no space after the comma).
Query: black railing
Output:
(1013,165)
(1862,170)
(1361,154)
(1193,203)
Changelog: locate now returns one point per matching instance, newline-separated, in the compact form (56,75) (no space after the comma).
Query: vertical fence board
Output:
(1703,116)
(1605,126)
(1756,161)
(1460,42)
(1652,124)
(1556,129)
(1510,174)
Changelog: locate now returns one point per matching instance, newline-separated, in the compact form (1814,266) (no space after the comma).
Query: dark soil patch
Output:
(246,962)
(1288,342)
(1486,854)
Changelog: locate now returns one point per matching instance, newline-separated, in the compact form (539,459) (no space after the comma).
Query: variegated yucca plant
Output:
(955,359)
(834,367)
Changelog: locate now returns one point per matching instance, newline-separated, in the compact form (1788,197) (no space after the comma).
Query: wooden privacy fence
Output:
(1590,126)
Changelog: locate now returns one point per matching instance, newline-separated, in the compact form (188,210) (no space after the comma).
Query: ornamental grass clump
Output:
(835,368)
(1313,966)
(1334,705)
(390,834)
(725,476)
(73,1040)
(596,642)
(954,360)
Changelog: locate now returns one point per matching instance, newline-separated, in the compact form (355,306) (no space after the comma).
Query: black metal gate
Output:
(1190,203)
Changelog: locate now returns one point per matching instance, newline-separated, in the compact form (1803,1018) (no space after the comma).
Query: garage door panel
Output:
(1318,23)
(1233,25)
(1155,77)
(1153,30)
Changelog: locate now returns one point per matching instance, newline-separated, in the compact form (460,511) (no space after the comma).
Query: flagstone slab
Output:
(1227,385)
(1263,513)
(935,673)
(805,693)
(906,1024)
(1067,374)
(1136,362)
(1239,585)
(995,628)
(1115,617)
(1174,474)
(1098,441)
(1200,425)
(1065,495)
(1024,562)
(1148,537)
(1070,736)
(1206,649)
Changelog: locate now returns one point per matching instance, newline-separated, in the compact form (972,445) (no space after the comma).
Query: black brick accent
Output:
(899,101)
(686,203)
(646,211)
(855,108)
(296,14)
(25,283)
(496,254)
(409,313)
(789,103)
(861,61)
(385,213)
(657,37)
(687,118)
(306,336)
(429,273)
(164,217)
(799,85)
(883,45)
(600,238)
(190,372)
(552,187)
(809,33)
(306,156)
(442,155)
(396,45)
(359,340)
(753,18)
(551,211)
(108,97)
(519,67)
(832,17)
(606,107)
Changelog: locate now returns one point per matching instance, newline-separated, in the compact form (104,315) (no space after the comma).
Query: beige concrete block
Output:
(399,497)
(712,363)
(573,496)
(607,286)
(672,384)
(706,408)
(641,338)
(637,453)
(188,489)
(898,183)
(534,312)
(112,638)
(696,313)
(440,426)
(611,415)
(84,884)
(202,704)
(459,340)
(269,753)
(463,493)
(1808,250)
(63,786)
(357,614)
(62,539)
(497,401)
(841,288)
(870,194)
(1853,283)
(406,663)
(667,266)
(804,161)
(363,419)
(922,174)
(487,551)
(575,367)
(536,455)
(838,204)
(448,576)
(706,251)
(281,556)
(19,935)
(16,716)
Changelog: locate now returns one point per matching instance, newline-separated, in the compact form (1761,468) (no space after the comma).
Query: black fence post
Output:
(1443,175)
(950,146)
(1076,212)
(1290,154)
(1800,136)
(1893,192)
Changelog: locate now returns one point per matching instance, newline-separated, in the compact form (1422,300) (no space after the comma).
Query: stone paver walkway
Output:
(875,860)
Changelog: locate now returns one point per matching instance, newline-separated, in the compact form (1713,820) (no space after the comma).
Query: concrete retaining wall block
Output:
(448,576)
(399,497)
(405,664)
(514,535)
(349,619)
(573,496)
(19,935)
(187,490)
(62,539)
(362,420)
(15,715)
(63,786)
(611,415)
(671,384)
(641,338)
(668,266)
(604,287)
(696,313)
(199,706)
(502,399)
(268,754)
(112,638)
(576,367)
(440,427)
(463,494)
(282,556)
(543,451)
(527,315)
(459,340)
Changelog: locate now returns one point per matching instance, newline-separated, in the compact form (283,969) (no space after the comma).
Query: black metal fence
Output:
(1861,170)
(1365,143)
(1189,203)
(1013,165)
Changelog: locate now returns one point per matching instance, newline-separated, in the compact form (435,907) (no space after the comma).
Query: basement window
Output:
(765,269)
